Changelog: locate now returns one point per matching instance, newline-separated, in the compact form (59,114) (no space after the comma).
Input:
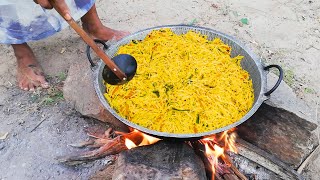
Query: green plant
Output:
(289,77)
(48,101)
(193,22)
(244,21)
(50,96)
(62,76)
(308,90)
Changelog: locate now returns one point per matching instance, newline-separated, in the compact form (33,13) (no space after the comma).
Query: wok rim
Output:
(256,105)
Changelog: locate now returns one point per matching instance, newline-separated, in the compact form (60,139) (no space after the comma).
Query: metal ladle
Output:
(121,68)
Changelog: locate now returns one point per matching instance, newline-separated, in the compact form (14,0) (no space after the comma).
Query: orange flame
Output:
(137,138)
(129,144)
(217,145)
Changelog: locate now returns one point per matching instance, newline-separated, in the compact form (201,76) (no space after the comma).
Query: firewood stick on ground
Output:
(113,147)
(230,176)
(234,168)
(217,177)
(105,144)
(266,160)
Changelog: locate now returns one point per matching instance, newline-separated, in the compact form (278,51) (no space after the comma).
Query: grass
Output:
(48,96)
(309,90)
(193,22)
(289,77)
(54,95)
(51,95)
(62,76)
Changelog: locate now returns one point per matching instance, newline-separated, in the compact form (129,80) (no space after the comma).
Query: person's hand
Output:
(59,5)
(44,3)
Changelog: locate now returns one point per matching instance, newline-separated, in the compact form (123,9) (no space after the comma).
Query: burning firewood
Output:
(223,169)
(212,150)
(107,144)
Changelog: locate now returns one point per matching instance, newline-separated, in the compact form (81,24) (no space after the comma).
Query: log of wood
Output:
(105,145)
(234,168)
(279,132)
(200,151)
(310,158)
(230,176)
(266,160)
(113,147)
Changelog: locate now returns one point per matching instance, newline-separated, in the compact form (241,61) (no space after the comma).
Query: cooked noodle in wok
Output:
(184,84)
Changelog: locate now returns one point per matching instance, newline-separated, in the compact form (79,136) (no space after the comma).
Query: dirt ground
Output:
(40,125)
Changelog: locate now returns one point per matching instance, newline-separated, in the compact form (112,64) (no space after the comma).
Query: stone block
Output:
(164,160)
(79,91)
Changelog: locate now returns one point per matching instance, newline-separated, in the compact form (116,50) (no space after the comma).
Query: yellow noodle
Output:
(184,84)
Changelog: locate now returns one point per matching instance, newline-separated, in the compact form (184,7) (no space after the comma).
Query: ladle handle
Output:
(86,38)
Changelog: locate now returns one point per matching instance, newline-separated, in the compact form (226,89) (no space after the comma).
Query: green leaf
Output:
(180,109)
(198,119)
(308,90)
(194,21)
(48,101)
(156,92)
(168,87)
(244,21)
(62,76)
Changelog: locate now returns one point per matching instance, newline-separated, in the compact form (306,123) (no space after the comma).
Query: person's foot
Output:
(29,73)
(104,33)
(91,24)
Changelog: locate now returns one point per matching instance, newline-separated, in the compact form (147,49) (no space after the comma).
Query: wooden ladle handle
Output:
(87,39)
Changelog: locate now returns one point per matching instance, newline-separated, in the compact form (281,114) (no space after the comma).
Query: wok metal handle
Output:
(89,52)
(279,80)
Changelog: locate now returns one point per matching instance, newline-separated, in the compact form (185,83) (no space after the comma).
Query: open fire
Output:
(137,135)
(254,147)
(215,147)
(213,150)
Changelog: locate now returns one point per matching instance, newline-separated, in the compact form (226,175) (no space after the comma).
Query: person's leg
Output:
(92,24)
(29,72)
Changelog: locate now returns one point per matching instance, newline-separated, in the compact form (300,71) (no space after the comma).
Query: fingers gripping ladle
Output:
(119,70)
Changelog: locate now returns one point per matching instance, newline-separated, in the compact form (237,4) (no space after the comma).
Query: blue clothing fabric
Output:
(23,20)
